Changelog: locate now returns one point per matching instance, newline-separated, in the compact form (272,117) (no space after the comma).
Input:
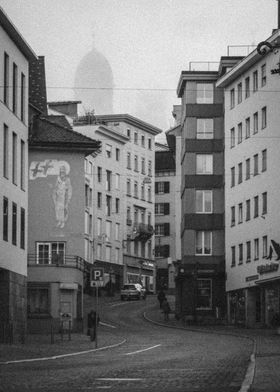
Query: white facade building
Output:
(252,184)
(15,55)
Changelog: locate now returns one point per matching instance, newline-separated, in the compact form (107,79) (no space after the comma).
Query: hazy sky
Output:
(147,42)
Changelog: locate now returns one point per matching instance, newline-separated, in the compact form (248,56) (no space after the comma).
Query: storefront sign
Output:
(148,264)
(266,268)
(252,277)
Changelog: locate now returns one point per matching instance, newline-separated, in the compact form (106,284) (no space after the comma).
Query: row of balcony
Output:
(57,259)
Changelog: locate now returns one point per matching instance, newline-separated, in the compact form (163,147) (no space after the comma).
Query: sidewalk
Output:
(266,360)
(40,346)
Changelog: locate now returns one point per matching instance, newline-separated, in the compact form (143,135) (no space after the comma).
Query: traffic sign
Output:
(97,275)
(97,283)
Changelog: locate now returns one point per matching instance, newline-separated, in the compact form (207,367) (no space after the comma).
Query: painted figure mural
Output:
(62,194)
(61,188)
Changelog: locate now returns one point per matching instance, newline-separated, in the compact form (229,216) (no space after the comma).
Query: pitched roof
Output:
(56,132)
(37,84)
(164,160)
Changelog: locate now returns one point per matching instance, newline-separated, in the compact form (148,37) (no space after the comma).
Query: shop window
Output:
(38,301)
(204,294)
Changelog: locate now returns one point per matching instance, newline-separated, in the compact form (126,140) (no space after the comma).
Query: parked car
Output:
(133,291)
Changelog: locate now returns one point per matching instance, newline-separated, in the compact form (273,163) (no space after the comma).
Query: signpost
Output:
(97,280)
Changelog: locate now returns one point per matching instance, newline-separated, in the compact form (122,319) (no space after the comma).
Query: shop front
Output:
(137,270)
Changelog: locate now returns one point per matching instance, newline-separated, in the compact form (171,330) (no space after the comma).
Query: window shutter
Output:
(166,251)
(166,187)
(166,208)
(156,187)
(166,229)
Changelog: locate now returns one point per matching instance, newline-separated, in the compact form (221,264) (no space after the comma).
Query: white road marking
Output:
(119,379)
(62,355)
(107,325)
(120,304)
(140,351)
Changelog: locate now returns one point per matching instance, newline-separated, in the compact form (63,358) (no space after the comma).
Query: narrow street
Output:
(153,358)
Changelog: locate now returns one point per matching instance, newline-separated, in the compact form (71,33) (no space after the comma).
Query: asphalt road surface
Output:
(153,358)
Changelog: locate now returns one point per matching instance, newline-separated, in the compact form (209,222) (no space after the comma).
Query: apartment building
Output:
(15,55)
(123,198)
(165,217)
(200,293)
(251,186)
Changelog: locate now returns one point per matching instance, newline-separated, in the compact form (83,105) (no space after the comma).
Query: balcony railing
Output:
(58,260)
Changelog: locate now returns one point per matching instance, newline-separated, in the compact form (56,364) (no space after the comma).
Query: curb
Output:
(250,373)
(63,355)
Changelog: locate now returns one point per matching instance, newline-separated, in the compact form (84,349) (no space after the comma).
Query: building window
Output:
(150,193)
(108,205)
(99,226)
(162,209)
(255,81)
(14,224)
(149,143)
(128,134)
(248,209)
(128,160)
(240,260)
(247,87)
(162,187)
(256,122)
(135,138)
(256,164)
(162,251)
(108,230)
(264,160)
(22,228)
(22,165)
(239,92)
(204,294)
(142,192)
(203,243)
(6,79)
(240,213)
(99,174)
(136,163)
(128,187)
(264,241)
(143,141)
(99,251)
(136,189)
(162,229)
(204,164)
(264,117)
(108,180)
(248,168)
(117,232)
(240,171)
(247,127)
(117,206)
(233,216)
(108,151)
(143,166)
(15,87)
(263,75)
(117,154)
(86,196)
(239,133)
(150,218)
(6,151)
(233,256)
(204,202)
(117,178)
(5,218)
(232,98)
(205,93)
(205,128)
(232,171)
(149,168)
(108,253)
(22,98)
(232,137)
(99,200)
(256,206)
(248,251)
(256,249)
(38,301)
(264,203)
(14,159)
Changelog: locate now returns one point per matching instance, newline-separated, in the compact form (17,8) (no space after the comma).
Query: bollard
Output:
(69,330)
(52,333)
(61,330)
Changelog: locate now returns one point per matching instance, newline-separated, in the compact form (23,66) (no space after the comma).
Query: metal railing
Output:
(203,65)
(57,260)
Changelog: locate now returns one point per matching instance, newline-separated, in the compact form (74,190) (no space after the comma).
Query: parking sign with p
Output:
(97,277)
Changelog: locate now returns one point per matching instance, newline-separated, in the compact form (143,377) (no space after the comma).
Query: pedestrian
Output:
(92,324)
(165,309)
(161,297)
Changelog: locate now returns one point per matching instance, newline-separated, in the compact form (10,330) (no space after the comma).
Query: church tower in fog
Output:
(94,83)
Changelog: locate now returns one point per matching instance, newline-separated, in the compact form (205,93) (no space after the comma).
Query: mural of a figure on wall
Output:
(62,194)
